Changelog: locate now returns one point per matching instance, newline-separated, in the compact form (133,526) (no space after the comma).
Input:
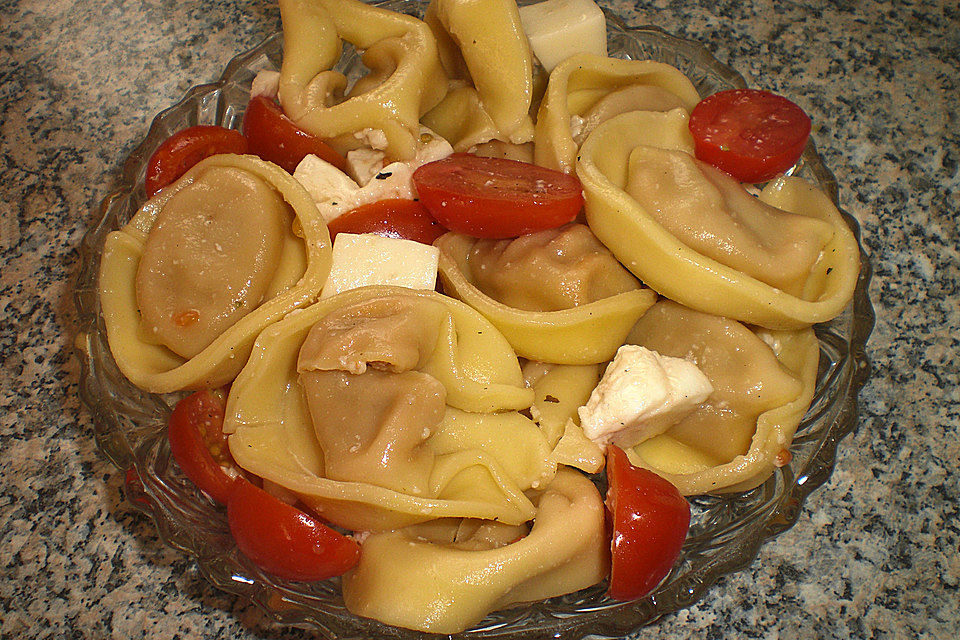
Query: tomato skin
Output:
(751,134)
(650,522)
(182,150)
(284,541)
(392,217)
(276,536)
(195,432)
(495,197)
(275,138)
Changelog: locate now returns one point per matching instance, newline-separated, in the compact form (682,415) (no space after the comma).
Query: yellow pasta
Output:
(445,584)
(484,50)
(406,78)
(322,402)
(589,89)
(584,334)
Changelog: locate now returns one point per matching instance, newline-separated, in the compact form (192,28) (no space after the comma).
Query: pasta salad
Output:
(420,312)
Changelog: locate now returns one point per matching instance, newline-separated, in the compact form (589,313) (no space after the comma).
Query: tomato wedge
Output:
(495,197)
(650,522)
(275,138)
(186,148)
(284,541)
(393,217)
(198,444)
(751,134)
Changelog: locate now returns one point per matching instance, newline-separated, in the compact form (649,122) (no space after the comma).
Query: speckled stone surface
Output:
(875,553)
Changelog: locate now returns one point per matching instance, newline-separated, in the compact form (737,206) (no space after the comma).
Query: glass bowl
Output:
(726,531)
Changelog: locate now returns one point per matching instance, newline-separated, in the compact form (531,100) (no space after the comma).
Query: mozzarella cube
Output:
(641,395)
(558,29)
(266,83)
(431,146)
(392,181)
(365,259)
(372,138)
(323,181)
(335,193)
(367,162)
(364,163)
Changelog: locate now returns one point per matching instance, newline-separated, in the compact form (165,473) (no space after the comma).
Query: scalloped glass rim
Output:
(727,531)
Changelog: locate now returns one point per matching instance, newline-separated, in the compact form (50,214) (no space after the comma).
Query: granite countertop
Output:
(874,554)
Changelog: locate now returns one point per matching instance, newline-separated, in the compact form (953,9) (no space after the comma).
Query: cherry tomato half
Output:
(186,148)
(285,541)
(275,138)
(650,522)
(198,444)
(495,197)
(751,134)
(393,217)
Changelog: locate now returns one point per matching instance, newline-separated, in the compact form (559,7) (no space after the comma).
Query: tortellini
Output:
(204,266)
(382,407)
(785,260)
(587,89)
(558,296)
(209,258)
(405,80)
(763,383)
(548,270)
(445,579)
(711,213)
(485,52)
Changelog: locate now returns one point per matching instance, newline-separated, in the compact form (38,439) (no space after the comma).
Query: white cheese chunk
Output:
(641,395)
(365,259)
(335,192)
(558,29)
(431,146)
(324,182)
(364,163)
(373,138)
(395,180)
(265,83)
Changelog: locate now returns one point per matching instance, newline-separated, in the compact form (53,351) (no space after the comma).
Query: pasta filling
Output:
(574,303)
(372,423)
(713,214)
(549,270)
(372,427)
(209,258)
